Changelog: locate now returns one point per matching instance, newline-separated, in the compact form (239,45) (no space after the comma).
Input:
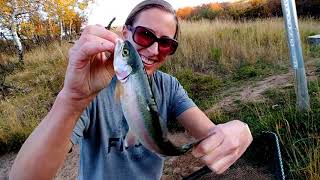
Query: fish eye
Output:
(125,52)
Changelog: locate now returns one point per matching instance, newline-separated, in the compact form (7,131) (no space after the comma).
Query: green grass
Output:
(299,132)
(199,86)
(315,51)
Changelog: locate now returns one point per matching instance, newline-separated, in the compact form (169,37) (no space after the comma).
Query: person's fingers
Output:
(223,156)
(214,140)
(99,25)
(89,47)
(101,32)
(221,165)
(224,149)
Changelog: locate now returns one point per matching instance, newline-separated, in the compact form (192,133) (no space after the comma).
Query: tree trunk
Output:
(3,36)
(70,30)
(13,28)
(50,34)
(61,30)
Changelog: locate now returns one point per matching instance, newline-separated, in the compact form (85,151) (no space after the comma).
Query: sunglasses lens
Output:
(143,37)
(167,46)
(146,38)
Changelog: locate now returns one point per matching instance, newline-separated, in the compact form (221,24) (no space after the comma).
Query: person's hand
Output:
(224,146)
(89,70)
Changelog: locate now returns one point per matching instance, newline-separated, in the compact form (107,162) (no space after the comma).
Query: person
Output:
(85,110)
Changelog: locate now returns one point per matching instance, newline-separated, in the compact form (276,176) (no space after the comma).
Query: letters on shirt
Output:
(118,144)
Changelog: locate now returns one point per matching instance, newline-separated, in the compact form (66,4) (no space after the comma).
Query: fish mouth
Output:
(123,74)
(124,79)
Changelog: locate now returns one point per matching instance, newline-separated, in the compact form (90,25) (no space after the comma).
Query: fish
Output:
(134,90)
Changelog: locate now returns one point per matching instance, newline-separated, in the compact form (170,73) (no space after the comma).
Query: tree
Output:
(216,6)
(12,14)
(64,13)
(185,12)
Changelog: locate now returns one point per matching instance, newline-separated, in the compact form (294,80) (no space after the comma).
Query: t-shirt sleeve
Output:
(80,127)
(180,99)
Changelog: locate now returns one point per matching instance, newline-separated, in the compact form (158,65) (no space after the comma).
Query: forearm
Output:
(45,149)
(196,122)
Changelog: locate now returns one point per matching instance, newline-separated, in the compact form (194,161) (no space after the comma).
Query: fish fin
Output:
(153,106)
(130,139)
(158,121)
(164,128)
(118,91)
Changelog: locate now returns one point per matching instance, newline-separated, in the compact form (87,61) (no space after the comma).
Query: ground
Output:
(179,167)
(175,167)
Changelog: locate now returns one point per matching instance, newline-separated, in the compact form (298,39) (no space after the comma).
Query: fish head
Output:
(120,63)
(126,60)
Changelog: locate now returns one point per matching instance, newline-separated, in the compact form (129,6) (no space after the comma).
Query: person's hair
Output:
(149,4)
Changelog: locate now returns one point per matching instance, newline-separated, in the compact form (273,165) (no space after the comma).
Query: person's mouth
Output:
(147,61)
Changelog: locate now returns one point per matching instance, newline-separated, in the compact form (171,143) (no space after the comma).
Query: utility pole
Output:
(294,43)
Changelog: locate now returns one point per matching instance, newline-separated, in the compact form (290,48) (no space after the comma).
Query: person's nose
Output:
(154,49)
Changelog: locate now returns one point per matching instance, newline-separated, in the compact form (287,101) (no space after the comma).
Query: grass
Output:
(199,86)
(212,57)
(223,47)
(298,131)
(35,87)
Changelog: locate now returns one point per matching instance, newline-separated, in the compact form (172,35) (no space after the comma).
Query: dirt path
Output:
(6,162)
(69,170)
(175,167)
(253,91)
(178,167)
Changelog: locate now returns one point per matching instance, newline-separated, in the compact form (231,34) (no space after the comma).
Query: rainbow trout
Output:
(138,103)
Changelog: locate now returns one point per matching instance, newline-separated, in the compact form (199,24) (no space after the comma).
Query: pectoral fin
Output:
(118,91)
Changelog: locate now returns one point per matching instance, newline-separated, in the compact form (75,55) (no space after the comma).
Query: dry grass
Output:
(33,90)
(212,49)
(232,44)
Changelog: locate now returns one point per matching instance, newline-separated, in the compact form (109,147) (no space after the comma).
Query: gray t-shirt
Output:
(102,128)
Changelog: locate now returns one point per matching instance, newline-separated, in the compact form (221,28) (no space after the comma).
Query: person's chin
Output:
(150,68)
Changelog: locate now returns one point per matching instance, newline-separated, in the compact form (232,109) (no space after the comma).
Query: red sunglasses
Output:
(145,38)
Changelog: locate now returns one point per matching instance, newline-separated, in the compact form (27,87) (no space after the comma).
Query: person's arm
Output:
(87,73)
(45,149)
(196,122)
(222,144)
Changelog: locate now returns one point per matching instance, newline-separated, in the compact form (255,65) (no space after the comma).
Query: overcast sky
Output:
(102,11)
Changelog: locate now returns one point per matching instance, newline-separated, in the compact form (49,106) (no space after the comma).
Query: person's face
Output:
(161,24)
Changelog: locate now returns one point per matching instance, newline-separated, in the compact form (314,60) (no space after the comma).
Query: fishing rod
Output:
(109,25)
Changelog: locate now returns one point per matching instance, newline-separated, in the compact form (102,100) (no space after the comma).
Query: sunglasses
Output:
(145,38)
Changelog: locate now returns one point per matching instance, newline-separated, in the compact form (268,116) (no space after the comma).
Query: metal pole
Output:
(294,43)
